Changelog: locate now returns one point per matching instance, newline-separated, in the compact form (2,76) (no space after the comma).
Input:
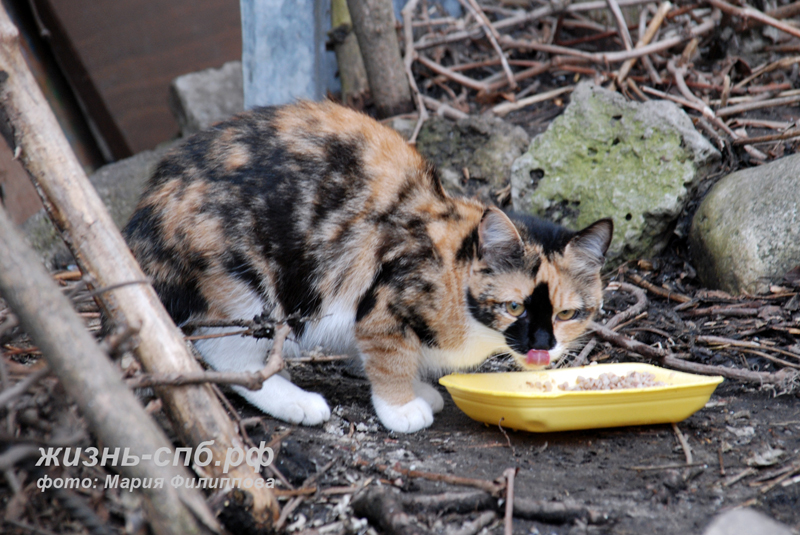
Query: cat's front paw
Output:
(429,394)
(308,409)
(408,418)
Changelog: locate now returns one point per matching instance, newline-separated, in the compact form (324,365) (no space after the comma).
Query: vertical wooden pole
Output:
(373,22)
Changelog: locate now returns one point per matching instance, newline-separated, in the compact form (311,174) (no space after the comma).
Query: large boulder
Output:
(608,157)
(746,232)
(485,146)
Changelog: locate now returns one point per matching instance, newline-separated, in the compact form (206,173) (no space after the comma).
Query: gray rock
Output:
(119,185)
(741,521)
(200,99)
(607,157)
(746,232)
(486,146)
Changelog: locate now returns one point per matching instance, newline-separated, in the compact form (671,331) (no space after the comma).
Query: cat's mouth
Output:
(537,357)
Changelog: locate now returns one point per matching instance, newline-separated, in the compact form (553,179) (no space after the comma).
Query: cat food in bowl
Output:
(626,394)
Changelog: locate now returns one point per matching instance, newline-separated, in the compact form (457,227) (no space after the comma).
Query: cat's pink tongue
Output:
(538,357)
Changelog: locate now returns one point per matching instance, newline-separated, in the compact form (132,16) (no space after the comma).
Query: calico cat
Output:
(314,210)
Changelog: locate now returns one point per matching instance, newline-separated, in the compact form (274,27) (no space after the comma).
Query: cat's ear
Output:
(500,242)
(591,243)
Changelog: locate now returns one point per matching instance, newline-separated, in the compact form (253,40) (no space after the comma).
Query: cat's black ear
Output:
(592,242)
(500,242)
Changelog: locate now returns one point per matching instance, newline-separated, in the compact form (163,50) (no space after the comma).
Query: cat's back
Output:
(313,155)
(293,201)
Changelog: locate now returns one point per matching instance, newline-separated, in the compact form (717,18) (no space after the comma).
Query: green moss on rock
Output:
(607,157)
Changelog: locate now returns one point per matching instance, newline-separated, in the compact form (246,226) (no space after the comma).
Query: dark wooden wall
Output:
(121,55)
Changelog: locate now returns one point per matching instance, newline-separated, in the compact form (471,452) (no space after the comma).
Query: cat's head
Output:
(537,283)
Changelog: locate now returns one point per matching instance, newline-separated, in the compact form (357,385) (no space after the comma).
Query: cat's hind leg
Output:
(278,396)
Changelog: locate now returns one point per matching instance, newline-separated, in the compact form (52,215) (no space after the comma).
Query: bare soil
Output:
(633,475)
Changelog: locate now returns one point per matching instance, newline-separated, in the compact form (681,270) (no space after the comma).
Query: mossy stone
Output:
(608,157)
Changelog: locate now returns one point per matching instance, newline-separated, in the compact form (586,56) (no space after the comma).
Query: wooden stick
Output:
(782,63)
(352,73)
(509,42)
(249,380)
(769,357)
(620,317)
(734,312)
(10,394)
(720,340)
(507,107)
(678,74)
(661,292)
(411,54)
(508,520)
(443,109)
(785,379)
(492,36)
(789,134)
(536,70)
(489,486)
(373,22)
(785,12)
(100,251)
(456,77)
(113,413)
(687,451)
(622,24)
(524,18)
(645,38)
(752,13)
(614,57)
(702,108)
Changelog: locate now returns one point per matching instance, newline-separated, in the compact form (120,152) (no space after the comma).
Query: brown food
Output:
(612,381)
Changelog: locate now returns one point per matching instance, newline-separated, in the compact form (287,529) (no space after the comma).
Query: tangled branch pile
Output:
(679,53)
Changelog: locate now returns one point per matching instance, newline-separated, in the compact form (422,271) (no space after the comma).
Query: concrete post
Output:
(283,52)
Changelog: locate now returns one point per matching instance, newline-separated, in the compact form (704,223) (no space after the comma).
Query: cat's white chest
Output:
(334,332)
(479,344)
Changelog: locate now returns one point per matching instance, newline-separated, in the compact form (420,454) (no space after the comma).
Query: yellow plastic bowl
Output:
(492,397)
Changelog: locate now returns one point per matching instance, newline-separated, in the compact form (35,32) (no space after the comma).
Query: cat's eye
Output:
(566,315)
(514,308)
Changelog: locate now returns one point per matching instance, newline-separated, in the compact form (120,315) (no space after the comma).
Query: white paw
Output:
(309,409)
(408,418)
(288,402)
(429,394)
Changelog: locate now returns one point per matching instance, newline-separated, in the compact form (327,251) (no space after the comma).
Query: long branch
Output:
(113,412)
(100,251)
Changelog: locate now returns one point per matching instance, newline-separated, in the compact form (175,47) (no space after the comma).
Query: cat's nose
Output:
(543,340)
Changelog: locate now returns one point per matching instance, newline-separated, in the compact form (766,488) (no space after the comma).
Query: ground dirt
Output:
(634,475)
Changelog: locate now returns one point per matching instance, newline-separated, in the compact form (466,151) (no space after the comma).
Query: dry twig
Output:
(749,13)
(661,292)
(507,107)
(687,451)
(508,520)
(408,60)
(492,36)
(630,312)
(645,39)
